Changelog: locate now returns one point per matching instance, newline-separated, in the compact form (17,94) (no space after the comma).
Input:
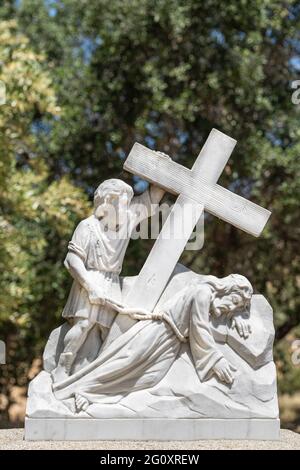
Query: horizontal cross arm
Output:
(176,179)
(236,210)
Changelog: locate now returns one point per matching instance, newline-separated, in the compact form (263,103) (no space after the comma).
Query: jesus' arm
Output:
(207,357)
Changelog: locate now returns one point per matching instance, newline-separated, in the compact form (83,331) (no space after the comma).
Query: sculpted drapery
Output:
(142,356)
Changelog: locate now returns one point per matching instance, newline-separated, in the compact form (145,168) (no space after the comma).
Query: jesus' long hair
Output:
(232,284)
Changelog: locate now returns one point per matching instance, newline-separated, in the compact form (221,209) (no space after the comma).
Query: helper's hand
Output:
(242,326)
(96,296)
(118,306)
(125,310)
(224,371)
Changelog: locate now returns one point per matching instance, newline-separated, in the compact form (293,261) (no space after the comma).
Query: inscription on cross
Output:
(197,190)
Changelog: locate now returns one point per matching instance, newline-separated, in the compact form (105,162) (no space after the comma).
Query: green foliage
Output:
(37,213)
(287,361)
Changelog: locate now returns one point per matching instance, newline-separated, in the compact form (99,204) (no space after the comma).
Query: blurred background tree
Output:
(112,72)
(37,212)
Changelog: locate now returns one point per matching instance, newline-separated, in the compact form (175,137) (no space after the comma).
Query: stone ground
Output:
(13,439)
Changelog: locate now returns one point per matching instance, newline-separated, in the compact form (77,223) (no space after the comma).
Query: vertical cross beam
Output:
(165,253)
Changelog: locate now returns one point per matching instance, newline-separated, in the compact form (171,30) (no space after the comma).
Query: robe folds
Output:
(141,356)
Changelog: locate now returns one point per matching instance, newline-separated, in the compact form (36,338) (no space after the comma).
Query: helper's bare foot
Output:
(81,403)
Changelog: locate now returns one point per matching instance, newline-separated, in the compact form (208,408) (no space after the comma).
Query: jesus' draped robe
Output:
(141,356)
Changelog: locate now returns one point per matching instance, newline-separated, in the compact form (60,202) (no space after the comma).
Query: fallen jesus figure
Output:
(141,357)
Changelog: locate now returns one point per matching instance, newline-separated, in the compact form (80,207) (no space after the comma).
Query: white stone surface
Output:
(94,260)
(167,249)
(194,359)
(217,200)
(150,429)
(180,394)
(197,191)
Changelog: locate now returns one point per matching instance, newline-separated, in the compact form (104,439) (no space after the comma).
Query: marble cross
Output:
(197,190)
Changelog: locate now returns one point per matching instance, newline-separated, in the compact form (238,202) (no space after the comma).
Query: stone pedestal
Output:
(150,429)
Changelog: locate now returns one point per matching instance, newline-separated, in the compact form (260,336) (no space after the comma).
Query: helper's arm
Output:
(77,269)
(145,205)
(156,194)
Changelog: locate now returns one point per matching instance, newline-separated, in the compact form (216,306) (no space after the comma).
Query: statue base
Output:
(179,406)
(60,429)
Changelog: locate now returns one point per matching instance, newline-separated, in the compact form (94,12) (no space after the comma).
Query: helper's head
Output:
(111,201)
(231,294)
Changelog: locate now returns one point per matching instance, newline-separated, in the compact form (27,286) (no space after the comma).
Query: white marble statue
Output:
(95,257)
(169,353)
(154,342)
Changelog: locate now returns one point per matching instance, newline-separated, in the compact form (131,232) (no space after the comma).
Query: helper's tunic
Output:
(102,252)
